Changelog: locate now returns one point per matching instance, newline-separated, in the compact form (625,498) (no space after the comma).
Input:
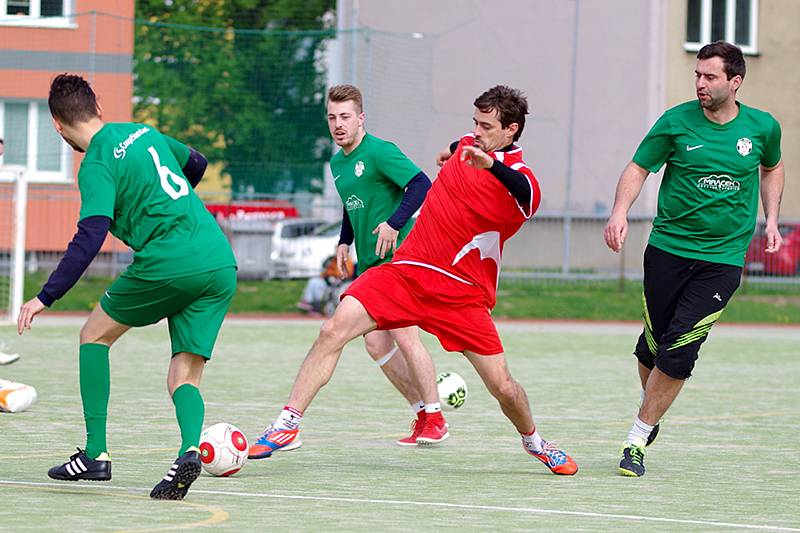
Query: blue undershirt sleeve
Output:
(81,251)
(413,196)
(346,236)
(195,167)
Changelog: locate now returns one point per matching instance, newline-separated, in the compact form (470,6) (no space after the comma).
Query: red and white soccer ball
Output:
(223,449)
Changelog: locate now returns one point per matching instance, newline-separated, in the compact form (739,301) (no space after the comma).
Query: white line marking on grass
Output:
(531,510)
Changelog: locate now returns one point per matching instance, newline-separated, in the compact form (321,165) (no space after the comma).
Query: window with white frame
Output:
(31,141)
(735,21)
(36,12)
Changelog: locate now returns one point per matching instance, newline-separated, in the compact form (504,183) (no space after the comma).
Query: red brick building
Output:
(38,40)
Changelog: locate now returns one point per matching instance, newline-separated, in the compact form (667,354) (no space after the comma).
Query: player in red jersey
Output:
(444,276)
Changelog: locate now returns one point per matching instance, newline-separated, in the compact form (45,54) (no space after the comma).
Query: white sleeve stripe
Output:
(529,213)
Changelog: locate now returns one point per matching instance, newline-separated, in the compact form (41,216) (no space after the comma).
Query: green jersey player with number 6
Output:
(138,185)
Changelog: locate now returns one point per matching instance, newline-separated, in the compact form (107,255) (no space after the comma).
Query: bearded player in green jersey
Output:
(381,189)
(138,185)
(717,151)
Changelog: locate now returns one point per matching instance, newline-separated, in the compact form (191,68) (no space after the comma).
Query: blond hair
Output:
(343,93)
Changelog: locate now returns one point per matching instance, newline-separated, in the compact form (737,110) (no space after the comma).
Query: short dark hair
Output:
(510,104)
(72,99)
(731,55)
(343,93)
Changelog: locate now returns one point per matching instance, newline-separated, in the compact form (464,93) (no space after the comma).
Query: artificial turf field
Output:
(728,458)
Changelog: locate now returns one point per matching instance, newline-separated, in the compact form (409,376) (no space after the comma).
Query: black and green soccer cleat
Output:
(181,475)
(632,463)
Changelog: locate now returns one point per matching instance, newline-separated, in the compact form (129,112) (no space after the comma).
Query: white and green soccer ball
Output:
(452,390)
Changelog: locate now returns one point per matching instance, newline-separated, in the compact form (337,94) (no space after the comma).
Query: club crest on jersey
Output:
(721,182)
(353,202)
(744,146)
(359,169)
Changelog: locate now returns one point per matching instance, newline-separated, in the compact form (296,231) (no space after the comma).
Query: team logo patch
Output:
(721,182)
(122,148)
(354,202)
(744,146)
(359,169)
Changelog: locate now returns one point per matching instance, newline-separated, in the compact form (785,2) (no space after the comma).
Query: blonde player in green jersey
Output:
(381,189)
(718,152)
(138,185)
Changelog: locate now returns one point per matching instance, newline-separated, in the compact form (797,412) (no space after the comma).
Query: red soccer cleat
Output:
(416,428)
(434,430)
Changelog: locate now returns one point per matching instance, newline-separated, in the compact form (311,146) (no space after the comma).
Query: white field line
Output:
(411,503)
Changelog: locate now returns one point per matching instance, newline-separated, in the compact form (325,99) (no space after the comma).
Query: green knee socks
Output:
(190,410)
(95,389)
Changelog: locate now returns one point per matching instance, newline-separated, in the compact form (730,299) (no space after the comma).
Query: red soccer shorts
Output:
(401,295)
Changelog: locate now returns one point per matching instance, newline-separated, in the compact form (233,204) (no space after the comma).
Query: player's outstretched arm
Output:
(772,180)
(628,188)
(29,309)
(80,252)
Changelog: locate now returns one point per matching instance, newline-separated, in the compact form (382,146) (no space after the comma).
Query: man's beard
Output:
(712,104)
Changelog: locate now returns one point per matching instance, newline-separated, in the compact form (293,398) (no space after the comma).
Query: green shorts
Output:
(193,305)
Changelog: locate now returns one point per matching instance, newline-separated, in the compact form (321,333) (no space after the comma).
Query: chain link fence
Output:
(254,102)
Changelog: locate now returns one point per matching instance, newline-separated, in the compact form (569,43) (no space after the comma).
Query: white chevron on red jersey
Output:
(466,219)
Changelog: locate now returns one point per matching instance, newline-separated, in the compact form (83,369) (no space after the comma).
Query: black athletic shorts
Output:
(682,299)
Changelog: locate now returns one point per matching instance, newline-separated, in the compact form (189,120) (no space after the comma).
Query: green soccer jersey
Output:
(371,180)
(708,199)
(132,174)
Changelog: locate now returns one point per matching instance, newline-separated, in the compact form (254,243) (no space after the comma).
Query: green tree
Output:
(241,81)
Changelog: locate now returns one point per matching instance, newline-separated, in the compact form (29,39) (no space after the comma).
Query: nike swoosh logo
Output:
(337,177)
(690,148)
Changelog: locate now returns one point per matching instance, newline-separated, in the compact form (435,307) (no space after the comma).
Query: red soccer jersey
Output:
(466,219)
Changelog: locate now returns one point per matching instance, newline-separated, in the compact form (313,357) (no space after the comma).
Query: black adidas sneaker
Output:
(80,466)
(180,477)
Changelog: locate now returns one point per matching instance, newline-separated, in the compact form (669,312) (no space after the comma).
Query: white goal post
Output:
(14,220)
